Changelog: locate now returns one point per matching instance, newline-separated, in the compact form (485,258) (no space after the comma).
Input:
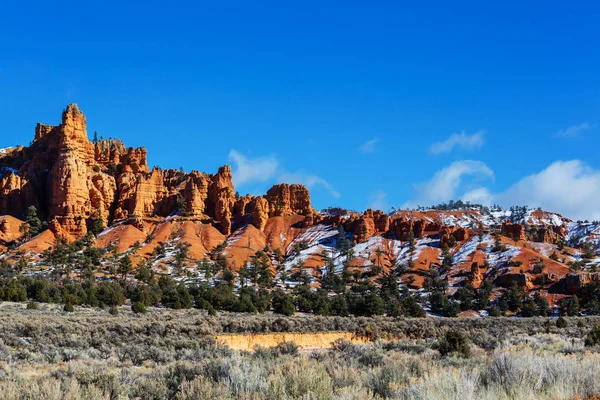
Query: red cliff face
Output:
(458,233)
(71,180)
(368,224)
(287,199)
(514,231)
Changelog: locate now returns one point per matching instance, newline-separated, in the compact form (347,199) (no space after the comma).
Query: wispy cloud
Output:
(247,170)
(460,140)
(378,201)
(369,147)
(308,180)
(575,130)
(571,188)
(567,187)
(443,186)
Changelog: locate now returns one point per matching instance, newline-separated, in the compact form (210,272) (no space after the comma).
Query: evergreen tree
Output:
(125,266)
(33,224)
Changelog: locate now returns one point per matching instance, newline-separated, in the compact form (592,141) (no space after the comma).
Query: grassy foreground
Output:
(90,354)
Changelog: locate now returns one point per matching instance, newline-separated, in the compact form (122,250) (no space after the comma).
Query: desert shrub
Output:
(300,379)
(150,388)
(389,381)
(454,342)
(561,322)
(593,337)
(494,311)
(32,305)
(290,348)
(69,307)
(203,388)
(138,307)
(113,310)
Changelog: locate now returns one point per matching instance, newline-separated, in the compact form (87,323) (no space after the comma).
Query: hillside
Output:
(193,226)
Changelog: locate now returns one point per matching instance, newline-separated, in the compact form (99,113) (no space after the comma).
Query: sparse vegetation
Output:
(173,354)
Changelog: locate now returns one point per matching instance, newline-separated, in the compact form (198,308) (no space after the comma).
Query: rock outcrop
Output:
(287,199)
(460,234)
(513,231)
(260,213)
(72,180)
(548,234)
(364,229)
(403,227)
(573,282)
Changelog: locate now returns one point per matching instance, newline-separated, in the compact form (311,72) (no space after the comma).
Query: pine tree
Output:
(125,266)
(34,225)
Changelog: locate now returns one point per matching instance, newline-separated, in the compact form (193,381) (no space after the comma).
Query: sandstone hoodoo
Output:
(72,181)
(191,224)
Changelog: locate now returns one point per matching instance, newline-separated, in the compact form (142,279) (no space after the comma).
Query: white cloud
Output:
(308,180)
(252,170)
(462,140)
(479,196)
(378,201)
(574,131)
(265,169)
(443,186)
(570,188)
(369,147)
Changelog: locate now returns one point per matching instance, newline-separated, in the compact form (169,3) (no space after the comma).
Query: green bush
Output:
(69,307)
(138,307)
(32,305)
(454,342)
(593,338)
(113,310)
(561,323)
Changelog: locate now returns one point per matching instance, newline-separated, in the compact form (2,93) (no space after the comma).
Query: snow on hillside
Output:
(6,150)
(578,233)
(467,249)
(547,218)
(499,259)
(317,239)
(323,235)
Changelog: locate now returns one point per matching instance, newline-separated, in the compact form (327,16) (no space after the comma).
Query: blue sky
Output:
(371,104)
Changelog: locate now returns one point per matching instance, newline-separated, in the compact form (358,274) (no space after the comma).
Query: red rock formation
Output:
(477,275)
(403,227)
(364,229)
(548,234)
(223,210)
(102,189)
(458,233)
(260,213)
(69,198)
(506,279)
(242,205)
(382,221)
(196,193)
(5,227)
(16,194)
(514,231)
(287,199)
(73,134)
(573,282)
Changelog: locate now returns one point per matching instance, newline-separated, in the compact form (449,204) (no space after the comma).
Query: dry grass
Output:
(90,354)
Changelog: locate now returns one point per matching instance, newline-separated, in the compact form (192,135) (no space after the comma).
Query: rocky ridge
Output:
(76,184)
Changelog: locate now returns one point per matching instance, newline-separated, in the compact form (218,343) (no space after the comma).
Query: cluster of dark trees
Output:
(454,205)
(75,281)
